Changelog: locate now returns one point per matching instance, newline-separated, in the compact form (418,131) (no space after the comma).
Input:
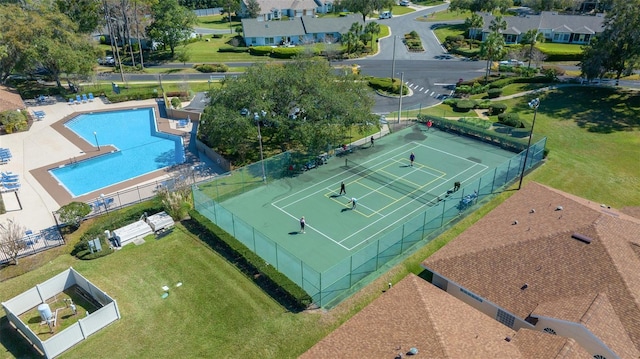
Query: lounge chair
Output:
(84,98)
(182,123)
(70,101)
(9,187)
(9,178)
(39,115)
(78,99)
(90,96)
(8,174)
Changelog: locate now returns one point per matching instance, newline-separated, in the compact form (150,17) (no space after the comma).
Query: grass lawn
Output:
(445,15)
(216,310)
(557,48)
(218,22)
(449,30)
(401,10)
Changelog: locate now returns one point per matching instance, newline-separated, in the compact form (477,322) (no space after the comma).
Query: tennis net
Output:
(397,184)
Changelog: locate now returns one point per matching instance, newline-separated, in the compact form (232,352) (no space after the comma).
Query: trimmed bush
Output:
(207,68)
(235,49)
(494,92)
(260,50)
(510,119)
(464,106)
(384,84)
(476,122)
(287,52)
(176,103)
(497,108)
(14,121)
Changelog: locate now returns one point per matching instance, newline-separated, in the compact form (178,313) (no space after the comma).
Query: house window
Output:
(505,318)
(549,331)
(269,40)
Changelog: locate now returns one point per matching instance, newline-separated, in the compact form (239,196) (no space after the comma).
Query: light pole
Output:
(393,62)
(400,102)
(256,117)
(95,135)
(534,104)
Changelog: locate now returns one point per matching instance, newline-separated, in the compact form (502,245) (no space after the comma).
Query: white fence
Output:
(75,333)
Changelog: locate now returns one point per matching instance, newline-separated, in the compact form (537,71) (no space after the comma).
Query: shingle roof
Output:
(340,25)
(10,100)
(255,28)
(548,20)
(539,250)
(534,344)
(414,313)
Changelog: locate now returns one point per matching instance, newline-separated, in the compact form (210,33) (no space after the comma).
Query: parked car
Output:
(405,3)
(512,62)
(109,60)
(385,15)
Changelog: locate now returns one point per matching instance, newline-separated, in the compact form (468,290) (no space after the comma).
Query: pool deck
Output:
(48,144)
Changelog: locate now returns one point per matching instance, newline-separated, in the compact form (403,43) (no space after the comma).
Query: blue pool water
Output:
(141,149)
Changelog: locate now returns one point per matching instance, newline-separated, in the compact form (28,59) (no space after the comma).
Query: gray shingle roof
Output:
(255,28)
(548,20)
(326,25)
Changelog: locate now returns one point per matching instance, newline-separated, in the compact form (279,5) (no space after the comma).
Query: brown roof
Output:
(539,345)
(10,100)
(414,313)
(539,250)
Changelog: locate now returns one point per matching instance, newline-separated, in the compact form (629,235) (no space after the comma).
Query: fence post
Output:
(493,182)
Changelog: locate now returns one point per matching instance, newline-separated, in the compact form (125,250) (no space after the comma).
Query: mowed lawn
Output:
(217,312)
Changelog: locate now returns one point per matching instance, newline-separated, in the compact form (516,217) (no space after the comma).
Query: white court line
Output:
(432,93)
(385,156)
(403,217)
(421,88)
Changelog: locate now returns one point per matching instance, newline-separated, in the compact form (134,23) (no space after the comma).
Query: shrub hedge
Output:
(477,122)
(510,119)
(207,68)
(264,274)
(497,108)
(236,49)
(504,140)
(464,105)
(384,84)
(494,92)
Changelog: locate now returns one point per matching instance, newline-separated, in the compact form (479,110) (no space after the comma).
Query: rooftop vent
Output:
(507,339)
(559,208)
(514,223)
(581,238)
(532,210)
(525,286)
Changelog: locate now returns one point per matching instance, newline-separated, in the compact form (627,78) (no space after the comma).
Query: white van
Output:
(385,15)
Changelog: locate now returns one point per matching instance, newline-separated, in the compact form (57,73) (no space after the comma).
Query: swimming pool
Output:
(141,149)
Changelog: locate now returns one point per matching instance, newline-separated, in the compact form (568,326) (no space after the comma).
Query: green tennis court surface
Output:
(388,190)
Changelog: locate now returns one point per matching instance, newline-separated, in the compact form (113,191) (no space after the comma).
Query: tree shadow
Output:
(596,109)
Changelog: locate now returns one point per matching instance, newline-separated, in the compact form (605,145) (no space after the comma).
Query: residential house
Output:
(548,261)
(277,9)
(296,31)
(545,275)
(570,29)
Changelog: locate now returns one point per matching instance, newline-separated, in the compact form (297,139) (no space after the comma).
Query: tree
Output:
(372,29)
(73,213)
(474,22)
(300,105)
(365,7)
(12,240)
(492,48)
(350,40)
(84,13)
(531,37)
(171,24)
(617,48)
(480,5)
(253,8)
(498,24)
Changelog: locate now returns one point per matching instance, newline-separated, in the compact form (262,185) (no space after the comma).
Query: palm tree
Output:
(372,28)
(497,24)
(356,28)
(350,40)
(492,48)
(474,22)
(532,37)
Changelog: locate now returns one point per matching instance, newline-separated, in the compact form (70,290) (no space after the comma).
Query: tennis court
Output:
(388,190)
